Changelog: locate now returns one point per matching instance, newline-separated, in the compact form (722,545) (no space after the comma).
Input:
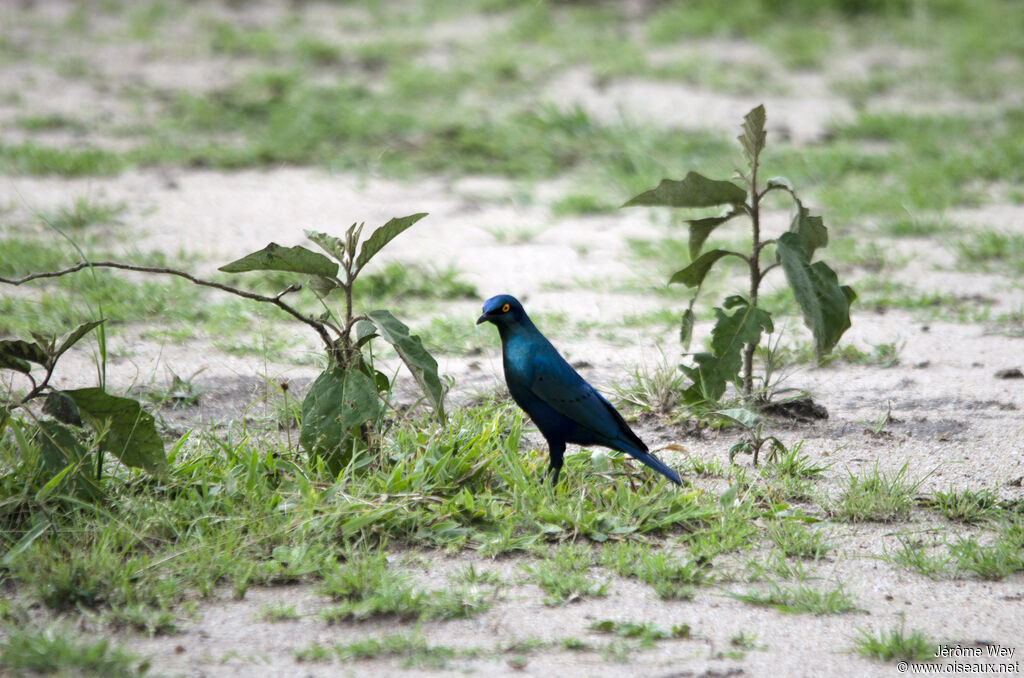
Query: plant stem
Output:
(347,357)
(275,300)
(755,278)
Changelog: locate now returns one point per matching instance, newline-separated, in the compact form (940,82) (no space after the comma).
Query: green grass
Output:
(83,213)
(797,540)
(966,505)
(896,645)
(367,586)
(881,294)
(932,162)
(991,555)
(85,296)
(775,565)
(874,496)
(916,227)
(646,632)
(51,122)
(671,577)
(278,612)
(411,648)
(658,389)
(914,555)
(581,203)
(992,250)
(794,463)
(453,336)
(35,159)
(277,117)
(801,599)
(411,281)
(1001,557)
(57,652)
(563,575)
(237,512)
(476,113)
(731,530)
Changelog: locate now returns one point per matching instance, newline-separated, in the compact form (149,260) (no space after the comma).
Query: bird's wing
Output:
(564,390)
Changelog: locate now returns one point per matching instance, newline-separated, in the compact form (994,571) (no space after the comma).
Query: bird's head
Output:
(503,311)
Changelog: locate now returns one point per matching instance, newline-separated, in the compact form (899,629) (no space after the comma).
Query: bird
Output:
(560,402)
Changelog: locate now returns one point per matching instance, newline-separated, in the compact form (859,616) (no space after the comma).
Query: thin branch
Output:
(275,300)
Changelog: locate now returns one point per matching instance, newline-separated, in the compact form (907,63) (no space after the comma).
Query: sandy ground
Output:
(953,421)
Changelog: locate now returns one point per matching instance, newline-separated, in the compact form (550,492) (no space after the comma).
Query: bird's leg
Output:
(557,459)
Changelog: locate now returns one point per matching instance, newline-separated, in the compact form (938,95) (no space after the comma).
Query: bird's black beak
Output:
(481,319)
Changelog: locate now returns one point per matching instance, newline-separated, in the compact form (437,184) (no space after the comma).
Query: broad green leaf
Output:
(65,463)
(9,362)
(824,303)
(336,403)
(274,257)
(383,235)
(739,415)
(129,431)
(58,446)
(811,231)
(73,337)
(713,371)
(321,285)
(753,135)
(16,354)
(416,358)
(333,245)
(734,300)
(700,229)
(695,190)
(693,275)
(62,407)
(365,331)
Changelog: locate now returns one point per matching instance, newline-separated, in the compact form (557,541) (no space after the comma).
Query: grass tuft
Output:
(896,645)
(801,599)
(56,652)
(874,496)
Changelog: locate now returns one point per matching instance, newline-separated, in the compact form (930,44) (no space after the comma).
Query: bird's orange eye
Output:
(504,309)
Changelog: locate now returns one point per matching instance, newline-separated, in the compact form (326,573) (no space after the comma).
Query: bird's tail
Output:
(650,460)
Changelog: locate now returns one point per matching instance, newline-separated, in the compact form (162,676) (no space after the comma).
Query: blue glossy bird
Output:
(560,402)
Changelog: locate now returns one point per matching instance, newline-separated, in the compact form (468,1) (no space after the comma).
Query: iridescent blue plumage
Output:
(560,402)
